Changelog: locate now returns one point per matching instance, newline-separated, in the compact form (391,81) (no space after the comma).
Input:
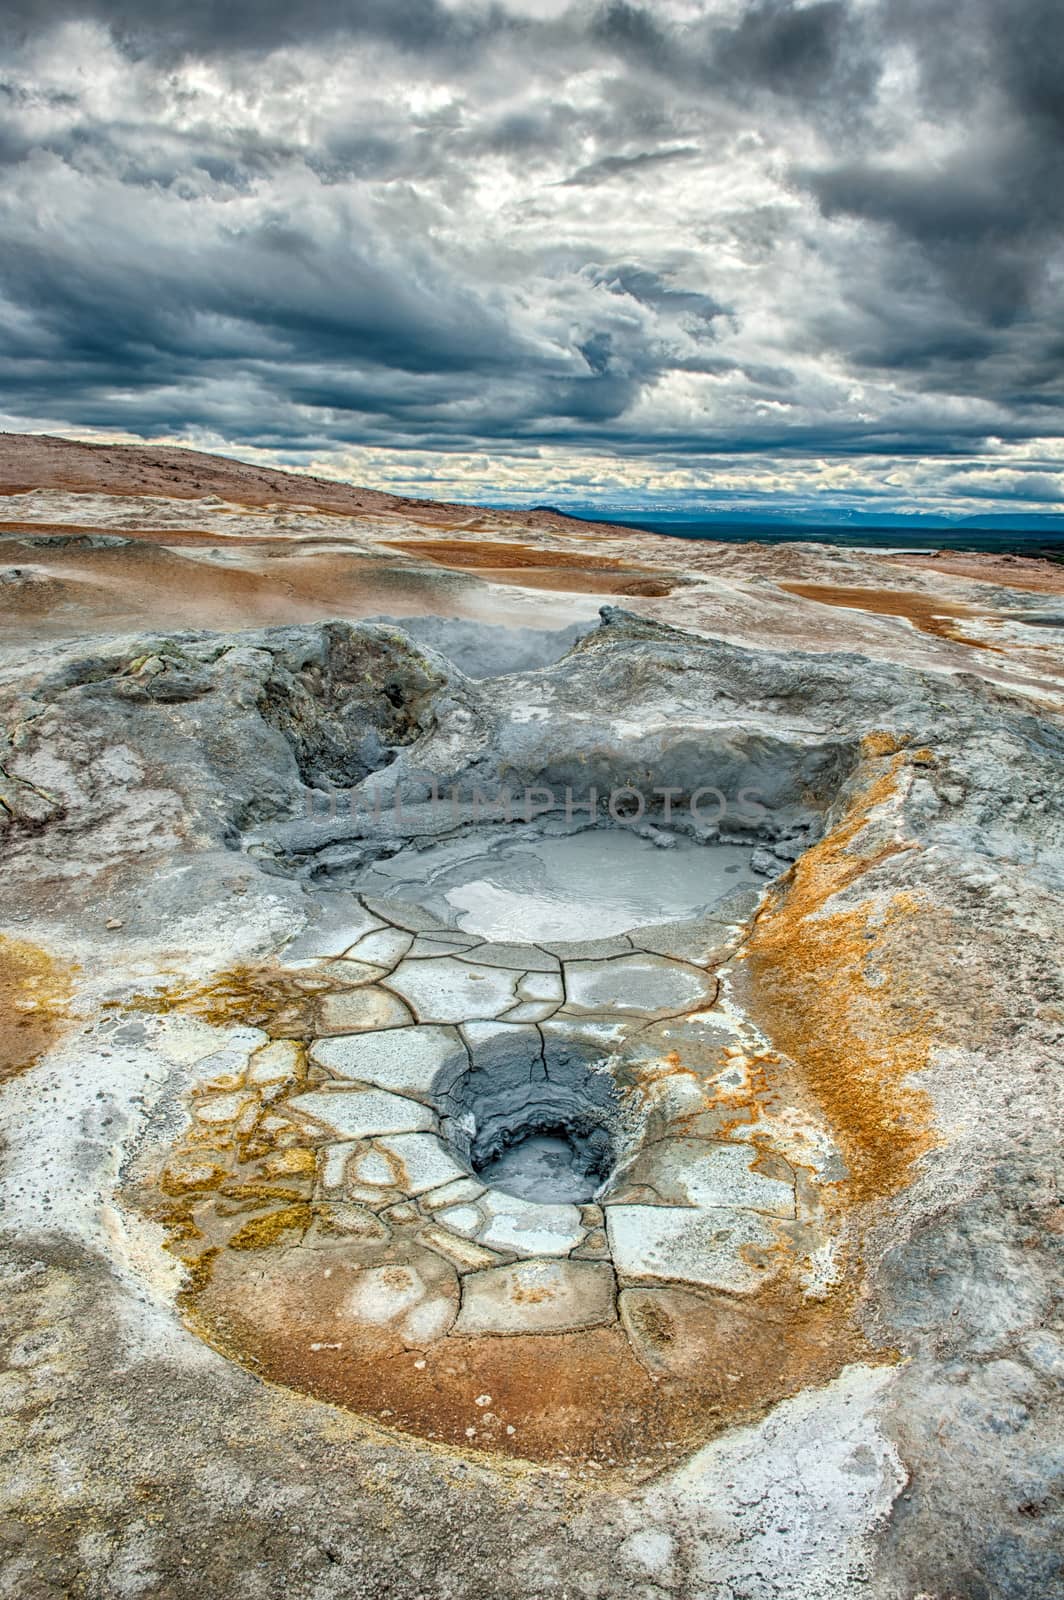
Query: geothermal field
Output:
(530,1051)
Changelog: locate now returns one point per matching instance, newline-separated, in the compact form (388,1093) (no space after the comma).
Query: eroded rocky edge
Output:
(914,938)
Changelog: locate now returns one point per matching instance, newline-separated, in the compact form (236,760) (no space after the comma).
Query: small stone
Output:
(114,922)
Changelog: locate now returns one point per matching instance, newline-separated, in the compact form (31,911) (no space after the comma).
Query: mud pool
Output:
(589,884)
(544,1167)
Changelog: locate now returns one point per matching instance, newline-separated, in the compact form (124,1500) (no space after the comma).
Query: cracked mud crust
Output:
(335,1245)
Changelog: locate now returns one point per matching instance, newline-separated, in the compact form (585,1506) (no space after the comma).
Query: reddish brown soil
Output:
(579,580)
(569,1396)
(500,554)
(42,461)
(828,984)
(67,589)
(1030,573)
(926,612)
(539,566)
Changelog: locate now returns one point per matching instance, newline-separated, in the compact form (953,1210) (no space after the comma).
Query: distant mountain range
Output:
(1024,533)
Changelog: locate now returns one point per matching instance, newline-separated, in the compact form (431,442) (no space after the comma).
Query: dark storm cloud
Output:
(792,49)
(785,47)
(989,213)
(1018,48)
(607,167)
(669,230)
(204,27)
(776,49)
(268,285)
(968,239)
(651,289)
(989,223)
(390,346)
(820,52)
(631,31)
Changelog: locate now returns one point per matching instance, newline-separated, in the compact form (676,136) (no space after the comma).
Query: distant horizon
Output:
(808,517)
(994,531)
(999,535)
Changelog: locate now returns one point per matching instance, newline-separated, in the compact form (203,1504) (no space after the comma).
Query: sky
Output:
(695,253)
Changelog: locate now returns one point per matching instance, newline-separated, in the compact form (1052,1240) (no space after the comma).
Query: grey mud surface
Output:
(593,883)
